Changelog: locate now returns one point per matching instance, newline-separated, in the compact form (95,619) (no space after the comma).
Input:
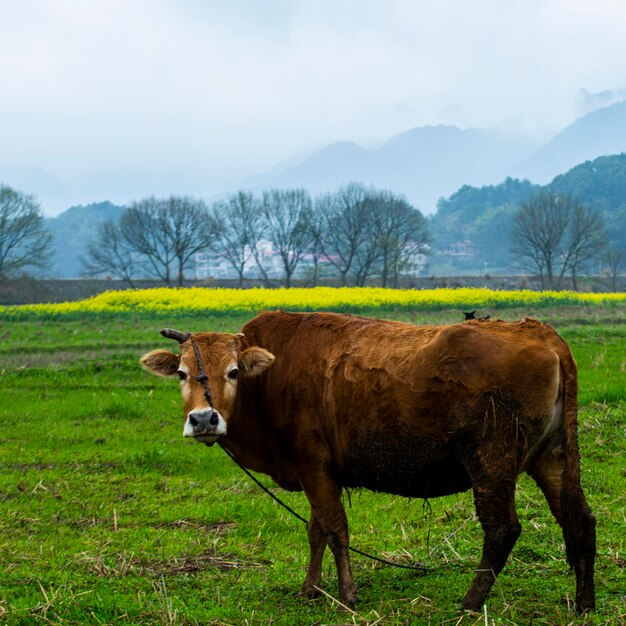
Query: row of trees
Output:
(360,231)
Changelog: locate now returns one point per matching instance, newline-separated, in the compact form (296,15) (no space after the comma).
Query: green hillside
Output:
(484,215)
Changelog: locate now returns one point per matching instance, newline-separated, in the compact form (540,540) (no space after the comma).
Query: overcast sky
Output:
(116,99)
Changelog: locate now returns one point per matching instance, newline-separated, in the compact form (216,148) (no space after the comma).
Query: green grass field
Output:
(107,516)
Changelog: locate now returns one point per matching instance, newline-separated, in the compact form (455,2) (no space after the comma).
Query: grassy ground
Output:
(108,516)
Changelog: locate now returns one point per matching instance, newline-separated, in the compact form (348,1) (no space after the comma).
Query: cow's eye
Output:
(182,375)
(233,373)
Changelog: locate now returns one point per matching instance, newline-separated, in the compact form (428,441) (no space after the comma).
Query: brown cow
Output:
(322,401)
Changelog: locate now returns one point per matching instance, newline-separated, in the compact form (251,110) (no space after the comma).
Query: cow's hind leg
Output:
(569,506)
(317,544)
(494,497)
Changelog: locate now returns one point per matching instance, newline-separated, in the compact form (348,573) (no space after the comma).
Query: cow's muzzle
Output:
(204,425)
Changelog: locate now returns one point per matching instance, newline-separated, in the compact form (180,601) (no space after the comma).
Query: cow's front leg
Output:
(317,544)
(324,495)
(494,497)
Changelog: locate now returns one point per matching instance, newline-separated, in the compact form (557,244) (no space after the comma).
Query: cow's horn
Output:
(170,333)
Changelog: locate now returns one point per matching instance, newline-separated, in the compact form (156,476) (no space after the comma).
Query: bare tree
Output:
(145,228)
(193,229)
(287,213)
(240,228)
(24,240)
(111,254)
(347,236)
(555,234)
(537,235)
(585,239)
(166,233)
(400,232)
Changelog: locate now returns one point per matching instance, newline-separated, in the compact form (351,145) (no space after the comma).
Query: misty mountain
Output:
(601,132)
(431,162)
(73,230)
(588,102)
(36,181)
(423,163)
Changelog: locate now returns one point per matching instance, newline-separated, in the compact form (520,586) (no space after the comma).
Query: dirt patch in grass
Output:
(218,529)
(122,565)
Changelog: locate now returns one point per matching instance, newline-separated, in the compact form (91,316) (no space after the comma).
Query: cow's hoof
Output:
(471,605)
(348,604)
(347,607)
(310,593)
(584,608)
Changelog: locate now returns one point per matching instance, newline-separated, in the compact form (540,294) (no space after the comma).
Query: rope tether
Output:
(419,567)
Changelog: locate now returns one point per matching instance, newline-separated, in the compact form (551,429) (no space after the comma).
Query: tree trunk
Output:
(181,274)
(549,272)
(385,270)
(315,272)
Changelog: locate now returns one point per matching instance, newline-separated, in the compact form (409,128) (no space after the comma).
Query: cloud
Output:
(193,95)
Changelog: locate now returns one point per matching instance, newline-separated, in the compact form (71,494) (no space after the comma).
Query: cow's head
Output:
(208,402)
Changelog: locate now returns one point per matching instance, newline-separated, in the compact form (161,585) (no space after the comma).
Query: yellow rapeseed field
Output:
(355,299)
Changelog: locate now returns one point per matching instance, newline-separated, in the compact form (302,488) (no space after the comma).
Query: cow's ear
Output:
(253,361)
(160,362)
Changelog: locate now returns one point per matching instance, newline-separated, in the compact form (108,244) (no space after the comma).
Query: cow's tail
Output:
(569,374)
(578,522)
